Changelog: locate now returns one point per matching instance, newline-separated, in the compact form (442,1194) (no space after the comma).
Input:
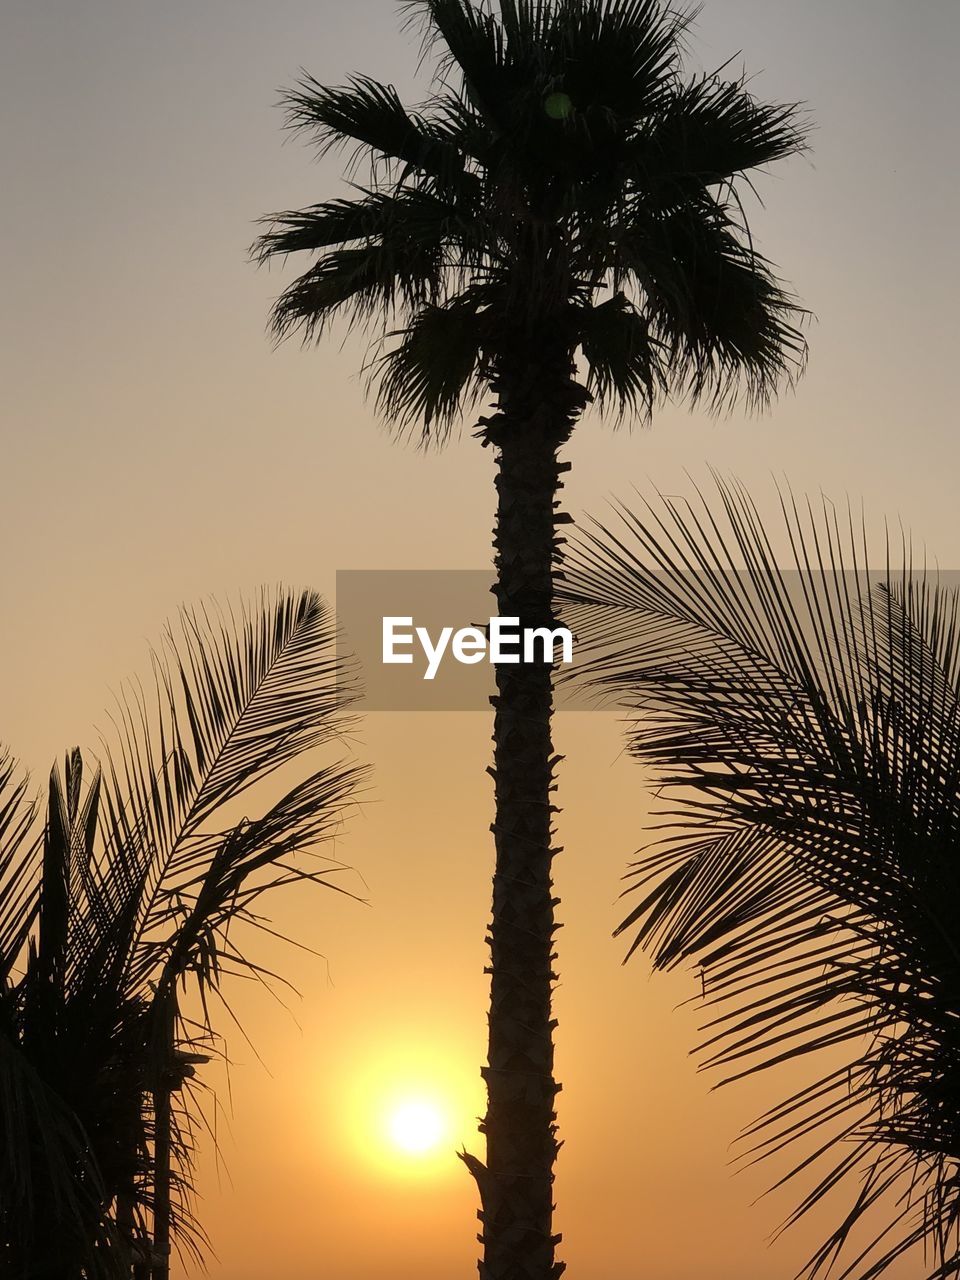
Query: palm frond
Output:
(19,857)
(430,372)
(239,696)
(731,328)
(801,711)
(372,115)
(473,46)
(364,282)
(625,364)
(622,58)
(709,132)
(51,1192)
(407,219)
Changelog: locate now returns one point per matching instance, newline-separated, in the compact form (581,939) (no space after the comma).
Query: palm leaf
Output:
(431,374)
(19,859)
(626,368)
(372,115)
(238,697)
(803,721)
(711,131)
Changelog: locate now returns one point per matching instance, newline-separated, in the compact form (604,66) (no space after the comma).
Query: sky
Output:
(158,448)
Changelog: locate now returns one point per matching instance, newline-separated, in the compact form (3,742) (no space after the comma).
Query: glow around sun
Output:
(408,1109)
(417,1126)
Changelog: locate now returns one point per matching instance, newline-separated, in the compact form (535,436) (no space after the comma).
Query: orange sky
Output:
(157,449)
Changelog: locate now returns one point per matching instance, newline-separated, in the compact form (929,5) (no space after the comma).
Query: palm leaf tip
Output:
(364,112)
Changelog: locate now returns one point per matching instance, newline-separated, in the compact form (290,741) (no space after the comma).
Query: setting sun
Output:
(416,1127)
(406,1108)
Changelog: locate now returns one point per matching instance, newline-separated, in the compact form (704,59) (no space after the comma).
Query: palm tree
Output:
(122,915)
(558,225)
(802,714)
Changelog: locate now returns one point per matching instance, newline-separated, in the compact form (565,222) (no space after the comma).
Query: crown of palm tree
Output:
(562,177)
(805,724)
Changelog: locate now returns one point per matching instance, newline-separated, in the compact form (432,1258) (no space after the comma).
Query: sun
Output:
(405,1108)
(416,1126)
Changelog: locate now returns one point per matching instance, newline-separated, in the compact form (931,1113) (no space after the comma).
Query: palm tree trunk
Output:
(162,1141)
(136,1247)
(516,1183)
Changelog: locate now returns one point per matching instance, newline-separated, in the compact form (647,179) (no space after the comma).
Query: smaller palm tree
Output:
(804,722)
(122,915)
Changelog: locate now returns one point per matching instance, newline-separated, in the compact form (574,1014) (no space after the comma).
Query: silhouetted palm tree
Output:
(802,714)
(133,895)
(563,193)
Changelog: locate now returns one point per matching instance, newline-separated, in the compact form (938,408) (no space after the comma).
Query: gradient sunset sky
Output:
(157,449)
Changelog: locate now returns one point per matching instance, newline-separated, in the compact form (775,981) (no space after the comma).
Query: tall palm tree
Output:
(802,713)
(559,224)
(123,913)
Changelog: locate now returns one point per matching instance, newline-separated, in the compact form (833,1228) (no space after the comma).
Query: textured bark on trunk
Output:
(538,402)
(162,1142)
(136,1246)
